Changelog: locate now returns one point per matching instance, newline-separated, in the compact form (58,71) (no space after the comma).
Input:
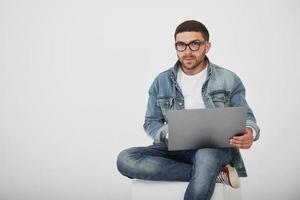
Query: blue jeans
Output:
(198,167)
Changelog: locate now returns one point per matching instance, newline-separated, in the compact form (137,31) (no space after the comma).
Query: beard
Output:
(191,62)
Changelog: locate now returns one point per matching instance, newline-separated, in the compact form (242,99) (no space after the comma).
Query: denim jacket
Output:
(222,88)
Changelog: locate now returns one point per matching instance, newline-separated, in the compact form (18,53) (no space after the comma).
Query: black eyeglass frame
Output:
(185,45)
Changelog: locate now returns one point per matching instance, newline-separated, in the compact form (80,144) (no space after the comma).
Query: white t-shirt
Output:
(191,87)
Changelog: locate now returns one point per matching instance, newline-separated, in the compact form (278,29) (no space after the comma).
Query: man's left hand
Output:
(244,141)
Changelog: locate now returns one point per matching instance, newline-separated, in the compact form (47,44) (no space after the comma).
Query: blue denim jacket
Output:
(222,88)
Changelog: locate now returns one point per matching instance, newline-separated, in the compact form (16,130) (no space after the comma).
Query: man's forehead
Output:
(189,36)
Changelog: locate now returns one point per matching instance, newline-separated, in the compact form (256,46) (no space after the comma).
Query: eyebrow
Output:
(197,40)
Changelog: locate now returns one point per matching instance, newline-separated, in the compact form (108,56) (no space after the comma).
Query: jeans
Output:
(198,167)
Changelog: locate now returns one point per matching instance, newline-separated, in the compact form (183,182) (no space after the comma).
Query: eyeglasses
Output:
(193,45)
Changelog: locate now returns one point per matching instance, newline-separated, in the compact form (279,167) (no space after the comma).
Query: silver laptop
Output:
(200,128)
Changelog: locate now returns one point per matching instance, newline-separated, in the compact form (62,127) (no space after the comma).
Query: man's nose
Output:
(188,51)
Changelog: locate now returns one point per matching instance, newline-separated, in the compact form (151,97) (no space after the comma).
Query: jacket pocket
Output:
(220,98)
(165,105)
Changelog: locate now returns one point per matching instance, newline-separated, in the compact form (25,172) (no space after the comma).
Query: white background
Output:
(74,77)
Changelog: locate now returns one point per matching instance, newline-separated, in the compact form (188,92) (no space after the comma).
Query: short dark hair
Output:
(192,25)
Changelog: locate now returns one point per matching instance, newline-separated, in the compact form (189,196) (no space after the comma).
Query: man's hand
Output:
(244,141)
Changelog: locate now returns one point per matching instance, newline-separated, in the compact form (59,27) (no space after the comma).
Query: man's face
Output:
(192,62)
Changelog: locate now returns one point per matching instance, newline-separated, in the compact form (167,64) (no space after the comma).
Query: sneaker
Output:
(229,176)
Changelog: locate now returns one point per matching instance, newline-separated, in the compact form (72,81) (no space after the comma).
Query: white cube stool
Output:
(163,190)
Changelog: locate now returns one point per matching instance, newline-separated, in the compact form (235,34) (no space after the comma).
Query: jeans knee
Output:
(122,160)
(125,161)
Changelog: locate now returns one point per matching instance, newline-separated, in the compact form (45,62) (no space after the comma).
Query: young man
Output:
(194,82)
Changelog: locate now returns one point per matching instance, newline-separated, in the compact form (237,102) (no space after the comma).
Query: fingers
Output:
(246,144)
(247,135)
(234,141)
(242,146)
(244,141)
(243,137)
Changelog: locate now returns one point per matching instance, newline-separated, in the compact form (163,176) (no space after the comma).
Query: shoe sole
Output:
(233,177)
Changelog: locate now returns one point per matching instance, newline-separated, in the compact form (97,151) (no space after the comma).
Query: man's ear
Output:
(207,47)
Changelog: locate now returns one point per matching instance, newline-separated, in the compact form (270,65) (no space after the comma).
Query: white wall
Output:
(74,77)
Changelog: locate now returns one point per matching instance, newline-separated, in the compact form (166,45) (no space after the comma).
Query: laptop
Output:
(200,128)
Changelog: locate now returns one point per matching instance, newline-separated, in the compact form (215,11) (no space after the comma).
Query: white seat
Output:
(163,190)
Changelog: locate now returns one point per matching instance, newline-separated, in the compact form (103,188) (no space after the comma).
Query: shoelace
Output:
(223,178)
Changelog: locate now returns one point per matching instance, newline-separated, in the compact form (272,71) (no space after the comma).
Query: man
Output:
(194,82)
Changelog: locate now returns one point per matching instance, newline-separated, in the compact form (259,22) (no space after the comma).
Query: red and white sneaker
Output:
(229,176)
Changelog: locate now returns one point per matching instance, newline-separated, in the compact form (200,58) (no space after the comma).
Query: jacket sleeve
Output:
(155,124)
(238,99)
